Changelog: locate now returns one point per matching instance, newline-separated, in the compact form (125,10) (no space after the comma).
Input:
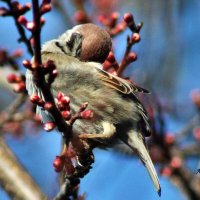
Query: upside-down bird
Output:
(119,117)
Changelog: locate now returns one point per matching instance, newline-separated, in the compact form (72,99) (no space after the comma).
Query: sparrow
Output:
(119,116)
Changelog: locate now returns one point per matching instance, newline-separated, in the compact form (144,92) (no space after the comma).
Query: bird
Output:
(119,116)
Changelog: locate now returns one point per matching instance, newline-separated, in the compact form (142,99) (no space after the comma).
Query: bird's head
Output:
(87,42)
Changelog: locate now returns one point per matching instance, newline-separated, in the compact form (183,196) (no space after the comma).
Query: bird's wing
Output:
(118,83)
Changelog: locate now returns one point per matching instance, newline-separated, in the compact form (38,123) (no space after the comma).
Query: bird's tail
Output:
(136,142)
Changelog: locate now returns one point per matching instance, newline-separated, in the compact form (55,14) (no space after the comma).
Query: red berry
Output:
(58,164)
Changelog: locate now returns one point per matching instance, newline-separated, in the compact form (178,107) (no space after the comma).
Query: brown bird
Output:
(119,117)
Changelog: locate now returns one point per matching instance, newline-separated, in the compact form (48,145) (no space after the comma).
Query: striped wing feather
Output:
(119,84)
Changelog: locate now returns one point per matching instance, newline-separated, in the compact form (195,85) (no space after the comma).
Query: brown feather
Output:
(119,84)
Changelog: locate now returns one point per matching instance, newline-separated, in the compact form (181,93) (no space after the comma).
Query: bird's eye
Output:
(75,37)
(70,44)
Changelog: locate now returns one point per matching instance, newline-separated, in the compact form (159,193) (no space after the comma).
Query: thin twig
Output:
(20,28)
(12,108)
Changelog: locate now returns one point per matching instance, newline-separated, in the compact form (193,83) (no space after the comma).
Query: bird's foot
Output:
(109,131)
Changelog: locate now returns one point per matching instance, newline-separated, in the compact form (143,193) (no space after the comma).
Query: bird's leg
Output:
(109,131)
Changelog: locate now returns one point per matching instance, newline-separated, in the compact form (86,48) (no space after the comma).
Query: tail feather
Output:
(136,142)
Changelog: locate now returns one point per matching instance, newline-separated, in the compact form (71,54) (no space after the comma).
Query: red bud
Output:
(22,20)
(49,126)
(27,64)
(169,138)
(166,171)
(196,133)
(55,73)
(48,106)
(58,163)
(106,65)
(114,15)
(195,95)
(45,8)
(101,18)
(65,100)
(66,114)
(60,95)
(42,21)
(50,65)
(19,87)
(30,26)
(17,53)
(80,16)
(135,37)
(87,114)
(4,11)
(35,98)
(11,78)
(111,57)
(132,57)
(128,18)
(27,6)
(176,162)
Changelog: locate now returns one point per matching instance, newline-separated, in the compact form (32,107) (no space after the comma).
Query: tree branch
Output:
(14,179)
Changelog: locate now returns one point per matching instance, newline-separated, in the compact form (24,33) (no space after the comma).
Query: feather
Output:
(136,142)
(118,83)
(33,89)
